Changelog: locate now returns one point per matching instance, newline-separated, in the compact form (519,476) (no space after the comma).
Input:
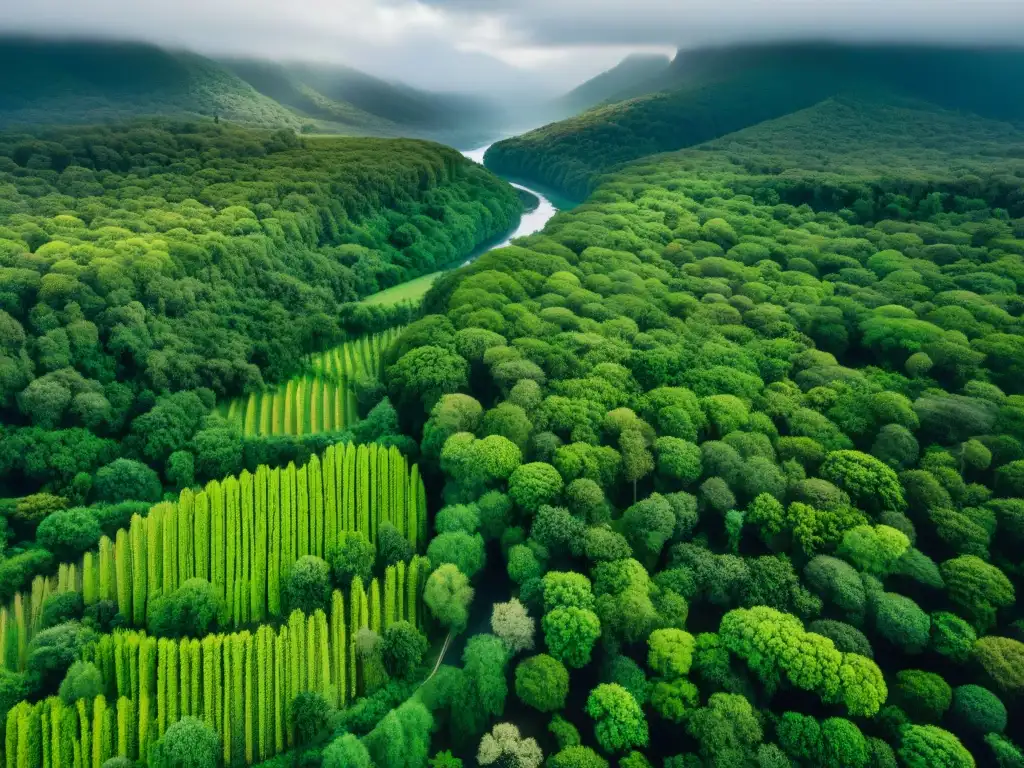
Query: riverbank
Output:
(534,218)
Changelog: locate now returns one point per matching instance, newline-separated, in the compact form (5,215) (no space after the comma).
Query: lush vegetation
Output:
(709,93)
(323,400)
(149,270)
(723,469)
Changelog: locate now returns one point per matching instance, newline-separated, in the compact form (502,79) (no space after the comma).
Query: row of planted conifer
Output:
(241,684)
(241,534)
(322,400)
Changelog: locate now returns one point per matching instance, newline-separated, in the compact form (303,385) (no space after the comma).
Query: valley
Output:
(684,431)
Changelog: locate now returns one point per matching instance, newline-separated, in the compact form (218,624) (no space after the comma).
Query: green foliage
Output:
(570,634)
(401,648)
(188,743)
(925,696)
(127,479)
(308,586)
(1002,659)
(727,729)
(69,532)
(928,746)
(619,723)
(347,751)
(189,611)
(309,714)
(83,681)
(542,683)
(952,636)
(463,550)
(977,711)
(448,595)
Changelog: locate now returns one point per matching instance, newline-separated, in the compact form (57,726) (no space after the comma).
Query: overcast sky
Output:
(529,44)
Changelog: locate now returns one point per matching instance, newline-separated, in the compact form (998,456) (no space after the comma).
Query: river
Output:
(531,221)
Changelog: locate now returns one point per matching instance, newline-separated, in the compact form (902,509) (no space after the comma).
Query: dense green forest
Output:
(712,92)
(151,269)
(724,468)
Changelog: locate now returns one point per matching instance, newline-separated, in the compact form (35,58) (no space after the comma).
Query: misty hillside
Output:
(45,81)
(625,79)
(709,93)
(49,81)
(354,99)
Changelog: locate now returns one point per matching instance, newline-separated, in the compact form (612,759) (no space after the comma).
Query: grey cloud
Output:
(503,46)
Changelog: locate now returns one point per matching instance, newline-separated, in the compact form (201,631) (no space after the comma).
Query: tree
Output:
(679,461)
(353,556)
(53,651)
(308,586)
(190,611)
(464,551)
(83,681)
(928,746)
(619,723)
(924,696)
(870,483)
(392,546)
(902,622)
(952,636)
(670,652)
(402,738)
(875,549)
(727,730)
(567,589)
(511,622)
(188,743)
(402,647)
(61,608)
(637,461)
(421,376)
(576,756)
(69,532)
(542,683)
(648,524)
(346,751)
(1002,659)
(309,714)
(532,485)
(448,594)
(977,711)
(570,634)
(127,479)
(181,469)
(504,746)
(977,587)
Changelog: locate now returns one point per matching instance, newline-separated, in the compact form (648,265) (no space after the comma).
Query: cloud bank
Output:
(528,45)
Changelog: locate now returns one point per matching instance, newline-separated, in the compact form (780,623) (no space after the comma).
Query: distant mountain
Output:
(77,81)
(353,99)
(626,79)
(72,81)
(708,93)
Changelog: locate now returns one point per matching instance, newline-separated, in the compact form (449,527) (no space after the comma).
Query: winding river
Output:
(531,221)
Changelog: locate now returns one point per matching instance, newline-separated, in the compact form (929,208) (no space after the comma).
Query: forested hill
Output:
(707,94)
(345,98)
(197,260)
(44,82)
(629,77)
